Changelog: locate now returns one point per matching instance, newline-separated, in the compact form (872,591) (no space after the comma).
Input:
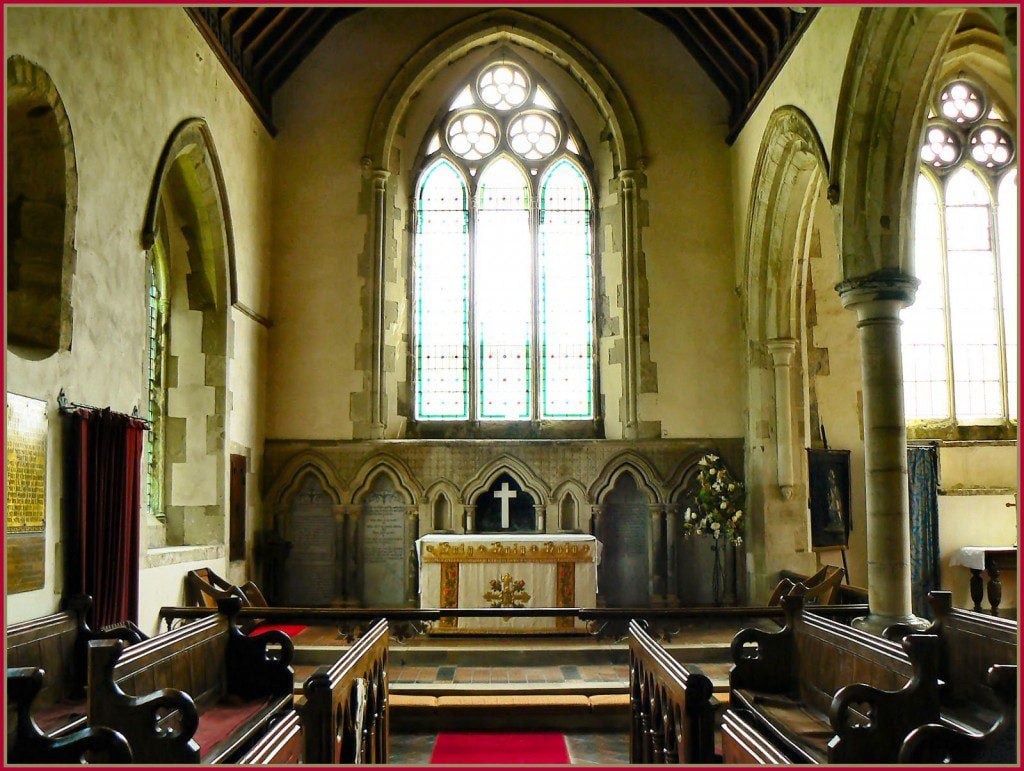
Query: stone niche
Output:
(354,509)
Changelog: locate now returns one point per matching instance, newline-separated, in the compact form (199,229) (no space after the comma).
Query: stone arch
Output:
(894,60)
(382,406)
(685,475)
(447,490)
(517,469)
(395,468)
(42,206)
(187,226)
(647,478)
(977,52)
(289,478)
(573,491)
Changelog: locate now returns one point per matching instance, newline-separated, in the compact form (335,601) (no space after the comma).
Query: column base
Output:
(875,623)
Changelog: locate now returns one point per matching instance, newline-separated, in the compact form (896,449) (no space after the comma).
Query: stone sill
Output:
(174,555)
(977,491)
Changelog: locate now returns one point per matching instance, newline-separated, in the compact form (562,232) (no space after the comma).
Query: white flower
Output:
(723,505)
(715,526)
(731,487)
(739,540)
(739,512)
(703,461)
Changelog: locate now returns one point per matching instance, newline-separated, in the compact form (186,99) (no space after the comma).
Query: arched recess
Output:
(445,506)
(507,464)
(894,60)
(42,204)
(789,180)
(647,478)
(187,234)
(685,475)
(383,399)
(384,463)
(288,479)
(573,508)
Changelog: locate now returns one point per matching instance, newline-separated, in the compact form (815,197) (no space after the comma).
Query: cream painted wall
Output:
(123,102)
(320,222)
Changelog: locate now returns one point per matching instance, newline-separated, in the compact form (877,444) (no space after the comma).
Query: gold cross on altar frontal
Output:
(507,593)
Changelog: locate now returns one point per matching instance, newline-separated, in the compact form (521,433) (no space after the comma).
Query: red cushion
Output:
(289,629)
(219,721)
(56,716)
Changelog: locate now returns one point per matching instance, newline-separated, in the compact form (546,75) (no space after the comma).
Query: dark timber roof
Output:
(741,49)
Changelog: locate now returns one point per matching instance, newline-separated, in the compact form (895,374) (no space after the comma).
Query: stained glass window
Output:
(157,326)
(960,336)
(503,280)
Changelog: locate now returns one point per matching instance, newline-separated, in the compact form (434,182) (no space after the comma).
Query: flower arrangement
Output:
(716,506)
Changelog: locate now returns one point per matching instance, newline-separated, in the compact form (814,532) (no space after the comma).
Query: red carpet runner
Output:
(499,749)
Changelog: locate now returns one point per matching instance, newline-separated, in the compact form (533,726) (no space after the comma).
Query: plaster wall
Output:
(123,102)
(321,218)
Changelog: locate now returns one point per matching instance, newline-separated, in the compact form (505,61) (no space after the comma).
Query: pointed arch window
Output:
(503,306)
(156,305)
(960,336)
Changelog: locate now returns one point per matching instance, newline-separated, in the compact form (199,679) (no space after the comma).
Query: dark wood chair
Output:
(345,716)
(204,692)
(672,706)
(822,692)
(819,589)
(56,645)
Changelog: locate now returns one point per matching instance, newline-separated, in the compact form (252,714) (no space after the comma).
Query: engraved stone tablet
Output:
(624,570)
(310,568)
(383,545)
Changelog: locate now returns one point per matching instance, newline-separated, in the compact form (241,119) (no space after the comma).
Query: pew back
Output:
(280,746)
(672,706)
(345,717)
(47,643)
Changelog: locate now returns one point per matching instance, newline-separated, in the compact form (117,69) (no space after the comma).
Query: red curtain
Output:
(103,556)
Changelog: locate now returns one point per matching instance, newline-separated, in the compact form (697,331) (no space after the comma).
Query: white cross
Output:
(505,494)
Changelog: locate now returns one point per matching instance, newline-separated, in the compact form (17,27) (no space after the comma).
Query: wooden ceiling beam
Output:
(303,19)
(264,33)
(716,21)
(238,34)
(291,59)
(705,58)
(707,39)
(755,39)
(758,15)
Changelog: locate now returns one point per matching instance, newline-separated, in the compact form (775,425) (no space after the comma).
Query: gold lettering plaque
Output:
(26,465)
(508,552)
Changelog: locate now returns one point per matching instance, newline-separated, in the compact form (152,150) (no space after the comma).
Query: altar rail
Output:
(594,616)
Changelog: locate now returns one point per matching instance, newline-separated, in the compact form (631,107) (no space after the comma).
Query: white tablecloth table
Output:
(514,570)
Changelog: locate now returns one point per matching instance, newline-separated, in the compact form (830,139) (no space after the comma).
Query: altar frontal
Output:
(508,571)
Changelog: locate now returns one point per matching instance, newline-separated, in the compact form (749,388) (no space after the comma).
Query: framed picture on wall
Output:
(829,481)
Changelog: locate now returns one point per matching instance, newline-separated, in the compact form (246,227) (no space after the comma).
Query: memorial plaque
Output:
(25,493)
(310,568)
(624,571)
(382,538)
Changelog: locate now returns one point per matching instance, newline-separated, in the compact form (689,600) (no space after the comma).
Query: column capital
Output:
(781,349)
(380,176)
(628,177)
(882,285)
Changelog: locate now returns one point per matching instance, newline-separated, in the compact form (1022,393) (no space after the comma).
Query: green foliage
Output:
(716,507)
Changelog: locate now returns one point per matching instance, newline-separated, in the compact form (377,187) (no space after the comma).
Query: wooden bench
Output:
(942,743)
(819,589)
(282,745)
(28,743)
(743,745)
(823,692)
(672,706)
(345,715)
(970,644)
(56,645)
(203,692)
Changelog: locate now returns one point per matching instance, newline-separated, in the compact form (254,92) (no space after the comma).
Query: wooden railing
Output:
(345,718)
(672,707)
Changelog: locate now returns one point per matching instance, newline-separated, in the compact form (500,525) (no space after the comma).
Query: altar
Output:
(508,571)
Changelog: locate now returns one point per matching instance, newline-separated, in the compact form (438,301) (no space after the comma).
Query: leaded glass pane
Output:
(925,376)
(155,400)
(1008,250)
(441,313)
(503,284)
(566,323)
(974,320)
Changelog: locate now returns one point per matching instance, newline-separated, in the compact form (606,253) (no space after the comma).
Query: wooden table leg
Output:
(995,586)
(977,589)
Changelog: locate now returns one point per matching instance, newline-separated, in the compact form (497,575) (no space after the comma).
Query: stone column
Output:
(378,397)
(353,591)
(595,530)
(412,574)
(672,555)
(630,375)
(470,518)
(877,300)
(656,555)
(782,349)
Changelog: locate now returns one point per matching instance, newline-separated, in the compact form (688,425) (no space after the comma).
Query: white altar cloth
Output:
(973,557)
(513,570)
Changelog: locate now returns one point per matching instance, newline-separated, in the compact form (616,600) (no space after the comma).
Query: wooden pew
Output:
(56,645)
(282,745)
(823,692)
(672,706)
(942,743)
(743,745)
(970,644)
(28,743)
(201,693)
(345,717)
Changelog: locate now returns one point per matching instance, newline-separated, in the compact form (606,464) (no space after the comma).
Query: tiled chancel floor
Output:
(585,749)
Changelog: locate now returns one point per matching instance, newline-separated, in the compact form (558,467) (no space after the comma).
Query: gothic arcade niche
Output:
(625,565)
(309,576)
(41,203)
(383,543)
(506,508)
